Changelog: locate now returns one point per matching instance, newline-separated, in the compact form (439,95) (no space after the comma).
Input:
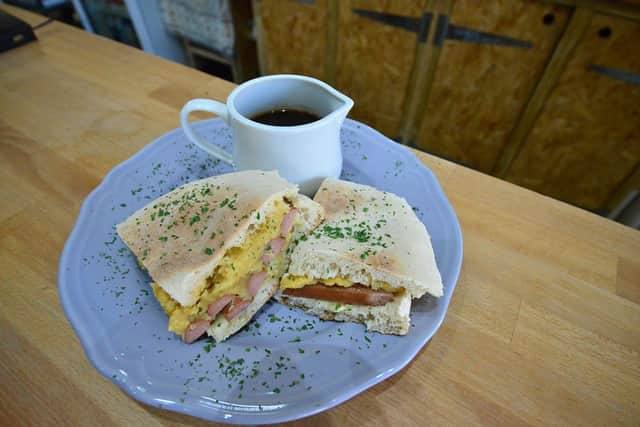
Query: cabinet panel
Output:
(586,140)
(293,36)
(481,88)
(375,58)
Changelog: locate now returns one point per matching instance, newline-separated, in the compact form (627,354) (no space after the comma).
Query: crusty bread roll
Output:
(182,237)
(368,237)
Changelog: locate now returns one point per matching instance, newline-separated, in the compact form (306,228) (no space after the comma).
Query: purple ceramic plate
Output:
(284,365)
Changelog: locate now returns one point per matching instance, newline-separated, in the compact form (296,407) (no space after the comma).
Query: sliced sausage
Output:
(273,248)
(218,305)
(255,281)
(356,294)
(195,330)
(287,222)
(236,306)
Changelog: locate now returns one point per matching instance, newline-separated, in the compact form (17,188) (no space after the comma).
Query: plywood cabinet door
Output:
(484,80)
(376,49)
(586,141)
(292,36)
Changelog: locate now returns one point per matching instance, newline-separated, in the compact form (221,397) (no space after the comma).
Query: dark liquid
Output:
(285,117)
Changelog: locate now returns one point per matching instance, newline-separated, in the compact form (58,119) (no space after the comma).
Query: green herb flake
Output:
(361,236)
(333,232)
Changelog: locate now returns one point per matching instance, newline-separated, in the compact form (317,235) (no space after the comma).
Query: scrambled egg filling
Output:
(297,282)
(231,274)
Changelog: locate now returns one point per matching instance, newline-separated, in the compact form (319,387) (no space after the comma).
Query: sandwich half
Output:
(365,263)
(216,248)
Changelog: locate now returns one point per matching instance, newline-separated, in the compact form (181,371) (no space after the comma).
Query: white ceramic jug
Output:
(303,154)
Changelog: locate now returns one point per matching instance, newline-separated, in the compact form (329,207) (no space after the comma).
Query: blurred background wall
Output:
(544,94)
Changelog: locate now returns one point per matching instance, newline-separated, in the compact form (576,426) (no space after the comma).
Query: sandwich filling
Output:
(340,289)
(239,275)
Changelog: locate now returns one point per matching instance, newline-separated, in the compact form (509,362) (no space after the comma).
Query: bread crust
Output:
(368,235)
(391,318)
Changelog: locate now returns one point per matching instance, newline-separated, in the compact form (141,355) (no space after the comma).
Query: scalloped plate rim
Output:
(211,414)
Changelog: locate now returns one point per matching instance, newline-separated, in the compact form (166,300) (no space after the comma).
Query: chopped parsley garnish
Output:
(361,235)
(208,251)
(333,232)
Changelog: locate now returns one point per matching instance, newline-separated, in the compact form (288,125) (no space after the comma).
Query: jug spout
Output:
(321,98)
(342,104)
(347,105)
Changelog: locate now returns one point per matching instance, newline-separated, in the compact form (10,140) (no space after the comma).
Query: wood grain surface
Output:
(586,140)
(292,36)
(422,73)
(576,26)
(375,59)
(479,90)
(623,8)
(542,329)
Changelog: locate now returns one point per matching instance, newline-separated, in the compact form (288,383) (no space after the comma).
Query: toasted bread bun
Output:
(233,203)
(368,236)
(181,237)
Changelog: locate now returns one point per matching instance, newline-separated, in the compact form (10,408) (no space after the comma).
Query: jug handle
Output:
(210,106)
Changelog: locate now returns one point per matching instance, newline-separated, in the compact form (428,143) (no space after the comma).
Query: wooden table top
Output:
(543,328)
